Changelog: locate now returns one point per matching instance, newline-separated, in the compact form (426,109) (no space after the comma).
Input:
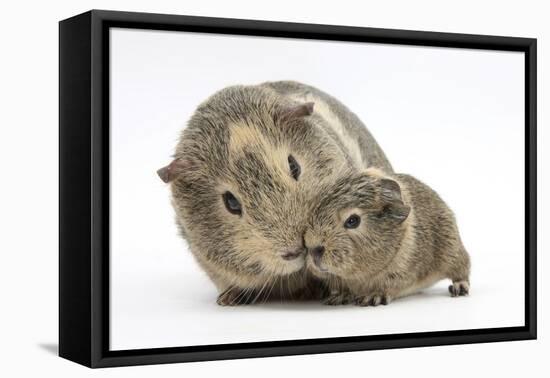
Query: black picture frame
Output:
(84,188)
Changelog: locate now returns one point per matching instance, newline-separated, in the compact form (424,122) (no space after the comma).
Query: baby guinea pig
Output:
(243,176)
(373,238)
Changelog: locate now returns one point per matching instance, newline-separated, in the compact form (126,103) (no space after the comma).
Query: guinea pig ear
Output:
(393,206)
(172,170)
(297,111)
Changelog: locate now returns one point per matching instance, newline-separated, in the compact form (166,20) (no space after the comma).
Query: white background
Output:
(28,158)
(451,117)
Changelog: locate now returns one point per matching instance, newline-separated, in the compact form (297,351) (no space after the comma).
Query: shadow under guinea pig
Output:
(316,306)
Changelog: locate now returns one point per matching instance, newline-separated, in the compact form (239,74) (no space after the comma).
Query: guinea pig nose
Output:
(317,251)
(316,254)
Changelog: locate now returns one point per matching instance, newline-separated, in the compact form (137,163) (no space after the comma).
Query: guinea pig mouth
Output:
(321,268)
(318,264)
(293,255)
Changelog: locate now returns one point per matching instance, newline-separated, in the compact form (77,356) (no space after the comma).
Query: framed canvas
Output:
(236,188)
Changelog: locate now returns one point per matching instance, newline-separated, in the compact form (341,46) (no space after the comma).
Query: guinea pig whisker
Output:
(271,285)
(266,286)
(241,296)
(280,289)
(288,287)
(249,295)
(260,292)
(270,290)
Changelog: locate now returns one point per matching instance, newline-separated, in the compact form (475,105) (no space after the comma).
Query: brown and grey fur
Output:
(239,140)
(342,125)
(407,240)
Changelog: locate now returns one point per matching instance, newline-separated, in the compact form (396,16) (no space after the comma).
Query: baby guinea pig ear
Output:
(393,207)
(296,111)
(173,170)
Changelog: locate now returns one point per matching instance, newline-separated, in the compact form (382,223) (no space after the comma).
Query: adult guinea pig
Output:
(373,238)
(242,180)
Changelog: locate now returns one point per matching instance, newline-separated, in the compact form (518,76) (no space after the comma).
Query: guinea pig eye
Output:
(231,203)
(295,169)
(353,221)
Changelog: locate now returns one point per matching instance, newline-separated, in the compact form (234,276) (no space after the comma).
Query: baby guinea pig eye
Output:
(295,169)
(353,221)
(231,203)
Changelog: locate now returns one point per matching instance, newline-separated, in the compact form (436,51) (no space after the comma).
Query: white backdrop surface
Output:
(454,118)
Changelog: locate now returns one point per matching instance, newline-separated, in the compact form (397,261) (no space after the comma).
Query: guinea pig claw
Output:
(459,288)
(372,300)
(336,299)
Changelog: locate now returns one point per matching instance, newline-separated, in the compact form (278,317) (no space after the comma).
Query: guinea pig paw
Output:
(459,288)
(372,300)
(336,299)
(234,297)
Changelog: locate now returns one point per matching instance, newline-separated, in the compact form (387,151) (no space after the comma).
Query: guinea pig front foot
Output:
(235,297)
(372,300)
(337,298)
(459,288)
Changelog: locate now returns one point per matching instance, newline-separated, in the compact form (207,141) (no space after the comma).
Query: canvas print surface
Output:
(269,189)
